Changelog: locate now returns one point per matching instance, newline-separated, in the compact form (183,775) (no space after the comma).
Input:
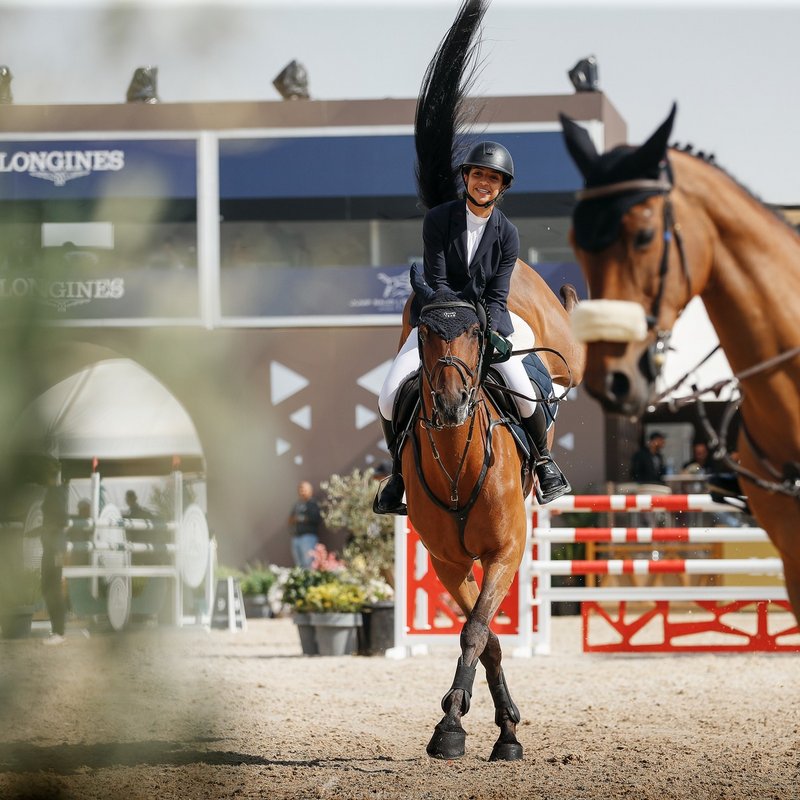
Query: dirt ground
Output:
(195,714)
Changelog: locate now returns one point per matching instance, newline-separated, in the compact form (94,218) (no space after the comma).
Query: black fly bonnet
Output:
(614,182)
(596,220)
(447,315)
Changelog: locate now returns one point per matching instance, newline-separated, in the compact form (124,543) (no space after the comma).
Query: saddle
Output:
(407,404)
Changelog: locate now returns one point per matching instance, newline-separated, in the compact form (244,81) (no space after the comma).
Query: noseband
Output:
(653,364)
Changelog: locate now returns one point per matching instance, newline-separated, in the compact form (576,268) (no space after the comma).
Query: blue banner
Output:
(98,168)
(338,291)
(370,166)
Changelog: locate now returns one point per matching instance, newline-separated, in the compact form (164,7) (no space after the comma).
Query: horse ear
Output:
(420,286)
(579,144)
(654,150)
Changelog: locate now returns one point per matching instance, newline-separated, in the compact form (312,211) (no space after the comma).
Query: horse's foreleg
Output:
(449,737)
(506,713)
(477,642)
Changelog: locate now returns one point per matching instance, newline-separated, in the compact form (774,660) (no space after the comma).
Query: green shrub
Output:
(257,579)
(347,506)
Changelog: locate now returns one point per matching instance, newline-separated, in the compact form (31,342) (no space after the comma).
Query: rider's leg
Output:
(389,499)
(551,481)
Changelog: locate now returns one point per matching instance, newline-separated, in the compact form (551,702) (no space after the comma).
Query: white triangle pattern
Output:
(282,446)
(567,441)
(373,380)
(284,382)
(302,417)
(364,416)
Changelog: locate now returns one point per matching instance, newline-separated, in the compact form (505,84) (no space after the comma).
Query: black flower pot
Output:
(376,634)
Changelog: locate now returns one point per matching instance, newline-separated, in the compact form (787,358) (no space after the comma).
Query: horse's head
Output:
(624,239)
(451,334)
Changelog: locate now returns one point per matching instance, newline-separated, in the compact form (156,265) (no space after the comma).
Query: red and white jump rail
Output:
(716,601)
(424,615)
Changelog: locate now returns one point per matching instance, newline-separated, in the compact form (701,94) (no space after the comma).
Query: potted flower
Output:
(335,612)
(298,582)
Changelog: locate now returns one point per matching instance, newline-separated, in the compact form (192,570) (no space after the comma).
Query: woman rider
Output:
(460,238)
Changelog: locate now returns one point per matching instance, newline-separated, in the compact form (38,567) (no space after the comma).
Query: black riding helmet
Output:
(492,156)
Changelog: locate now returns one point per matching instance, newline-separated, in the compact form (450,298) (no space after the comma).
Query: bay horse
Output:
(466,500)
(655,226)
(462,467)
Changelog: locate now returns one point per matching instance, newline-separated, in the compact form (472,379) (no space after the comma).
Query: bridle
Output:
(785,482)
(471,379)
(656,352)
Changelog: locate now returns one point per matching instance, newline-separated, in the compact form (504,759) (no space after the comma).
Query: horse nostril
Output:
(618,386)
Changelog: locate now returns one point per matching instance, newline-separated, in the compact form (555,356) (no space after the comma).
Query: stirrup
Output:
(392,505)
(542,498)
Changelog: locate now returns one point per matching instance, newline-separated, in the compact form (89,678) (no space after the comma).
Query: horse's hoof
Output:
(506,751)
(447,744)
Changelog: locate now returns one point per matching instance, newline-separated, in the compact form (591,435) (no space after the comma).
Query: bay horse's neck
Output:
(752,288)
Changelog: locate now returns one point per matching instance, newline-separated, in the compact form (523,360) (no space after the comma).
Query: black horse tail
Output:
(441,117)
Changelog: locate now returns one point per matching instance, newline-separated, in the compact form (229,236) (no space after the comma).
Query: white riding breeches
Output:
(406,362)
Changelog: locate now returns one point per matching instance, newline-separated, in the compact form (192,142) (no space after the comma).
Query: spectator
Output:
(304,521)
(135,511)
(648,465)
(54,527)
(702,462)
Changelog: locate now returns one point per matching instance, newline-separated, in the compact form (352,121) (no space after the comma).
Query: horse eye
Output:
(643,237)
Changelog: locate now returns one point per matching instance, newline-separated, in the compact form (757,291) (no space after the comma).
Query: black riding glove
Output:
(502,347)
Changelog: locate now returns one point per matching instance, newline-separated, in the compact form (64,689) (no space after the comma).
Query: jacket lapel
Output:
(459,230)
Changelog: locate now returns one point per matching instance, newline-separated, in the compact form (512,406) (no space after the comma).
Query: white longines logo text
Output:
(60,166)
(61,295)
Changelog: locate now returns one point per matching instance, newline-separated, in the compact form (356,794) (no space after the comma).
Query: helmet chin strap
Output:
(482,205)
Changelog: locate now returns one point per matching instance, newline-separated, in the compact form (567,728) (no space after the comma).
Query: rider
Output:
(460,238)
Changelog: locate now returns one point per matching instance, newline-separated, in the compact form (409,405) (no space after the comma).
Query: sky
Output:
(731,66)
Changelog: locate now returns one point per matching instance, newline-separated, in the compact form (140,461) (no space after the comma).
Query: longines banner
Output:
(45,170)
(131,294)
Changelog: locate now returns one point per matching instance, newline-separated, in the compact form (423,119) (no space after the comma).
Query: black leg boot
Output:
(389,499)
(550,480)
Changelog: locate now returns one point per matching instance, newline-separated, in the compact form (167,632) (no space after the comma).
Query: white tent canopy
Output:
(113,409)
(693,338)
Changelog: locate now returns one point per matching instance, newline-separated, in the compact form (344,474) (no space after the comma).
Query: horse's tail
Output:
(440,118)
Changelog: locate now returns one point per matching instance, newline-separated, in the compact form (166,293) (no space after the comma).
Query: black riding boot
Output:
(550,480)
(389,499)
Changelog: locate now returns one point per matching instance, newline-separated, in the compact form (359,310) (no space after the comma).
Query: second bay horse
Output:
(655,226)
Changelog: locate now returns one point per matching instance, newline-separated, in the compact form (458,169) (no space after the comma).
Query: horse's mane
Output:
(441,117)
(710,159)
